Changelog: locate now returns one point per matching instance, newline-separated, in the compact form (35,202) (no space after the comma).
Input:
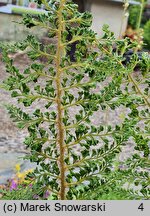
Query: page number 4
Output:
(141,207)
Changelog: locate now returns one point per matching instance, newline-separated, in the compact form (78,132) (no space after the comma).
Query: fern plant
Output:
(76,156)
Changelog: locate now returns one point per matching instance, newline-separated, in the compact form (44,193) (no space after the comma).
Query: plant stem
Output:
(140,14)
(60,136)
(139,90)
(123,17)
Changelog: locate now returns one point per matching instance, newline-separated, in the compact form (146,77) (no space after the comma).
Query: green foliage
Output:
(75,155)
(23,192)
(133,18)
(121,189)
(20,194)
(136,14)
(147,34)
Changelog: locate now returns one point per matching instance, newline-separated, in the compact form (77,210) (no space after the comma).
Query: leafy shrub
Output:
(18,188)
(139,24)
(147,34)
(75,155)
(134,13)
(133,18)
(19,194)
(24,192)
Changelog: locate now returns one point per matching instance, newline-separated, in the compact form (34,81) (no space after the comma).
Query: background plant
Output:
(136,18)
(139,23)
(147,33)
(23,191)
(75,155)
(19,187)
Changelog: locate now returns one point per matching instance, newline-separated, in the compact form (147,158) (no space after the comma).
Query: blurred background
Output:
(121,15)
